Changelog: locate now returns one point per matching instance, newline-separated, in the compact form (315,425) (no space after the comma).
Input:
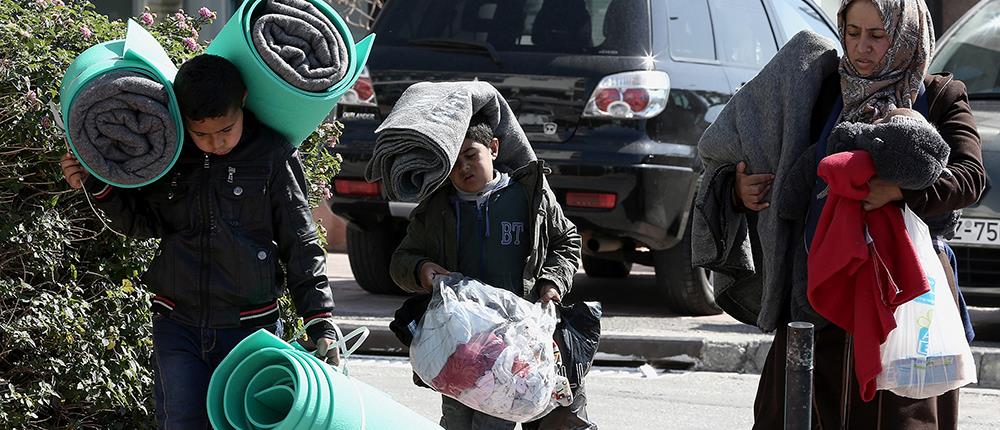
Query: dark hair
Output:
(480,130)
(208,86)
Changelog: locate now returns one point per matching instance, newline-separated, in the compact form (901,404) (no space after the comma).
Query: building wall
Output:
(944,12)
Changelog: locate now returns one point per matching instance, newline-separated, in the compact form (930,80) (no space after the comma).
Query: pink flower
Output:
(194,34)
(46,122)
(326,192)
(31,96)
(190,43)
(206,13)
(86,32)
(146,18)
(181,20)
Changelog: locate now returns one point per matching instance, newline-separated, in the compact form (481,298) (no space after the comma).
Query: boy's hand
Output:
(324,348)
(327,350)
(427,272)
(74,173)
(548,292)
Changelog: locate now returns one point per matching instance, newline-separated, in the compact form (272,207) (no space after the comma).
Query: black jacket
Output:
(224,224)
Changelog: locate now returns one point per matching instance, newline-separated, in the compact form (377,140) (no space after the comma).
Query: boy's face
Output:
(474,167)
(217,135)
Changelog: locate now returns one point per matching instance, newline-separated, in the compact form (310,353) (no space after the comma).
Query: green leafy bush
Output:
(74,321)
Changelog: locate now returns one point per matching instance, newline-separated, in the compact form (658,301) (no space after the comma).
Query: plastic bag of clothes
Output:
(489,349)
(927,353)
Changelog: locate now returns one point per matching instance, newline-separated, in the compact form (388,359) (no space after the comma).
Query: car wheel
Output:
(601,268)
(370,252)
(687,290)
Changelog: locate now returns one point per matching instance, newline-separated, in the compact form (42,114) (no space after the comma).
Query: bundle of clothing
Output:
(300,44)
(751,275)
(418,142)
(122,128)
(862,264)
(489,349)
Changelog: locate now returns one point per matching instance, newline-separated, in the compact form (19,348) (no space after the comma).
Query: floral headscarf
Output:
(896,80)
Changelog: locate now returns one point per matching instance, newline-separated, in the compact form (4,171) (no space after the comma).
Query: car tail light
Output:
(629,95)
(356,187)
(362,93)
(579,199)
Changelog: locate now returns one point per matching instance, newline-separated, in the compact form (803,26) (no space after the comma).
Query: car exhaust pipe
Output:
(598,245)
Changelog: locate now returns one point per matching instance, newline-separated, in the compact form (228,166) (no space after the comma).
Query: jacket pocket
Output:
(256,270)
(243,199)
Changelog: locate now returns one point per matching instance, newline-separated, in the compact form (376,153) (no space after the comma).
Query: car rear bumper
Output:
(978,274)
(654,183)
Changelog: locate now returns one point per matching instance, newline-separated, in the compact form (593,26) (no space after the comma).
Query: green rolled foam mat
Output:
(137,52)
(292,112)
(265,383)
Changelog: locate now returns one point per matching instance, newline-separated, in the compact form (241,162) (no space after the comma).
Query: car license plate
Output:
(976,231)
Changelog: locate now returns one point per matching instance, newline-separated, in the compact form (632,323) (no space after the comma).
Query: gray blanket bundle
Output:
(122,128)
(300,44)
(766,124)
(418,142)
(907,151)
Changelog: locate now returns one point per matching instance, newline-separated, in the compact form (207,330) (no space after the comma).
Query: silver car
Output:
(971,50)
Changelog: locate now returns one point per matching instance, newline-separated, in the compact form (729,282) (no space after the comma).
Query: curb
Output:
(674,352)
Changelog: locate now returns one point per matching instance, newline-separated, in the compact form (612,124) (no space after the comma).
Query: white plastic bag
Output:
(926,354)
(489,349)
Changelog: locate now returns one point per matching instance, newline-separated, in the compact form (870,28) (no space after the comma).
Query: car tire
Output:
(370,252)
(687,290)
(601,268)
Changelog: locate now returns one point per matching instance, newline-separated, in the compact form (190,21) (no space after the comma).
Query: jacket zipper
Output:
(205,241)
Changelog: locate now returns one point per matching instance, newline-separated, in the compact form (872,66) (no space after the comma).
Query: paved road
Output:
(627,306)
(623,399)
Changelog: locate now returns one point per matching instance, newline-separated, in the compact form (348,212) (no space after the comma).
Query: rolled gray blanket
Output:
(766,124)
(300,44)
(418,142)
(122,128)
(907,151)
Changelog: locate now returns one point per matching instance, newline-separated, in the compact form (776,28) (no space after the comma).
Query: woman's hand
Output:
(880,193)
(750,190)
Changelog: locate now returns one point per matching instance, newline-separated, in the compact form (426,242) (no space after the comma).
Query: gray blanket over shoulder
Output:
(121,128)
(300,44)
(767,125)
(418,142)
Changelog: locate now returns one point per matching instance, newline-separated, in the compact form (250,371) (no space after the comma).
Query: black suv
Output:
(613,95)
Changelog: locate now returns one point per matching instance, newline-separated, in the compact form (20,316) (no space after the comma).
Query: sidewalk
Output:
(633,333)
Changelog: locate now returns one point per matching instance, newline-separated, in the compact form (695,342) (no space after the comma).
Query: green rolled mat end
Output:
(139,52)
(265,383)
(290,111)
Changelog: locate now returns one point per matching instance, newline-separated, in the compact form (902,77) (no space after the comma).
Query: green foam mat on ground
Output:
(292,112)
(138,52)
(265,383)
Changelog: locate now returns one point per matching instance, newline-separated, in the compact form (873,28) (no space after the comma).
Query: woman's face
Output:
(865,37)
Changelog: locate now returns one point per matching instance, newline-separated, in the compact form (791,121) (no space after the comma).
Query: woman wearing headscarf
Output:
(887,47)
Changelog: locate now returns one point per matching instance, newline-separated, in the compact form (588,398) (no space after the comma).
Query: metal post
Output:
(798,376)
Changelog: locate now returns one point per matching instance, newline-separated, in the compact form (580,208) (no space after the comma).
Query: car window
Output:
(690,30)
(972,53)
(797,15)
(597,27)
(742,32)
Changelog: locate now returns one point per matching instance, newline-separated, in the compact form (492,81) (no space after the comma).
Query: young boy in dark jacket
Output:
(506,230)
(232,208)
